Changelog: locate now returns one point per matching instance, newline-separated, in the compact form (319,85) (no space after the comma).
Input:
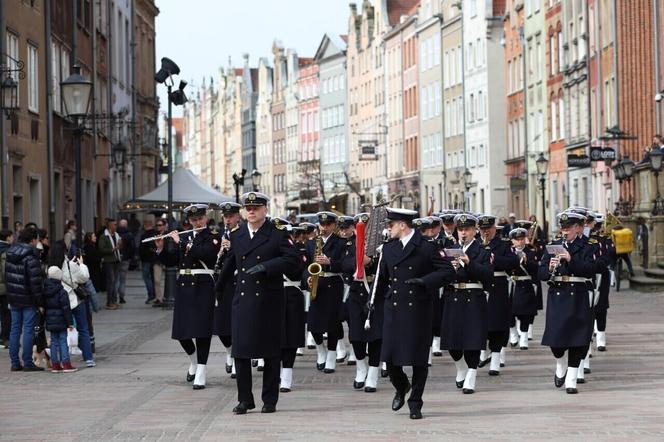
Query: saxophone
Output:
(315,269)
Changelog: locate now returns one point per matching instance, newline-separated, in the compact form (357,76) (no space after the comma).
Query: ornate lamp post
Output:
(656,166)
(238,181)
(542,168)
(76,94)
(256,177)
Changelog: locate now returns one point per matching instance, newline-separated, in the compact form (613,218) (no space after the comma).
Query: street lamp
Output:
(256,179)
(542,168)
(9,96)
(623,171)
(467,175)
(119,155)
(656,166)
(76,95)
(238,181)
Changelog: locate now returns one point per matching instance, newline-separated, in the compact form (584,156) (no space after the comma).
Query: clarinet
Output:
(222,250)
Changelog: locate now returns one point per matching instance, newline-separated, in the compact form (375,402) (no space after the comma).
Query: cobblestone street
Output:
(138,391)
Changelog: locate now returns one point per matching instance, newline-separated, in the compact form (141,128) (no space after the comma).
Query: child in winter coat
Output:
(58,320)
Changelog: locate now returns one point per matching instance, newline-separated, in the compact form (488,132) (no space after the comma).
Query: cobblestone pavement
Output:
(138,391)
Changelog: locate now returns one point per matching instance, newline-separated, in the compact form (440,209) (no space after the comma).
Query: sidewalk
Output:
(138,391)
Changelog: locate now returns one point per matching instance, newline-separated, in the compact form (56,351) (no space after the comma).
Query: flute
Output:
(154,238)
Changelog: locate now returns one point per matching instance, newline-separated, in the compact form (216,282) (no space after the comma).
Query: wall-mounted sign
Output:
(578,160)
(602,154)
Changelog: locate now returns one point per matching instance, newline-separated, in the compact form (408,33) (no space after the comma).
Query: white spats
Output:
(286,380)
(469,382)
(229,358)
(514,336)
(530,331)
(341,350)
(570,379)
(199,380)
(193,363)
(351,355)
(430,361)
(601,341)
(330,362)
(494,366)
(461,370)
(372,380)
(321,354)
(501,357)
(523,340)
(435,346)
(561,367)
(361,369)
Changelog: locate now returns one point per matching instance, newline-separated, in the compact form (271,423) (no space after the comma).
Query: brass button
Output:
(395,267)
(395,279)
(244,257)
(468,300)
(258,257)
(411,292)
(192,283)
(394,291)
(257,294)
(243,269)
(395,303)
(455,299)
(241,293)
(410,267)
(182,284)
(410,304)
(243,281)
(258,282)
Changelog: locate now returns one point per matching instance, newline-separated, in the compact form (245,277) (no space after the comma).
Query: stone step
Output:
(660,265)
(654,273)
(646,284)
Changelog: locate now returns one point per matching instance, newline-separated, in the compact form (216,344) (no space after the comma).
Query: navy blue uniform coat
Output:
(407,326)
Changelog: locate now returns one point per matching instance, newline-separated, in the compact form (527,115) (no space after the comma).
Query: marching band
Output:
(406,288)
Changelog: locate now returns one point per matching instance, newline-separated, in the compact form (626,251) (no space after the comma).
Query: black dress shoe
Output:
(243,407)
(311,347)
(351,362)
(369,390)
(502,365)
(190,377)
(514,344)
(571,390)
(260,368)
(400,399)
(437,353)
(415,414)
(233,376)
(483,363)
(17,368)
(580,381)
(601,348)
(269,408)
(32,367)
(558,382)
(459,384)
(328,370)
(494,372)
(254,363)
(468,391)
(358,385)
(229,369)
(122,301)
(284,390)
(586,371)
(320,367)
(199,387)
(339,360)
(383,373)
(523,348)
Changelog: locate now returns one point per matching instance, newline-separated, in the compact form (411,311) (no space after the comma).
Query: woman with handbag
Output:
(74,275)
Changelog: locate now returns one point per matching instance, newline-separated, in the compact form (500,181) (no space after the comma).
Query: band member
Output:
(193,316)
(365,342)
(308,233)
(499,307)
(224,302)
(524,296)
(327,250)
(345,231)
(423,225)
(293,336)
(261,254)
(411,269)
(465,317)
(569,322)
(448,233)
(609,254)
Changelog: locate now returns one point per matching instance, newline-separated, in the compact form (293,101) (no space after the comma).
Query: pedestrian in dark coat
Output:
(324,314)
(261,254)
(411,269)
(569,318)
(609,257)
(465,317)
(196,253)
(224,304)
(499,303)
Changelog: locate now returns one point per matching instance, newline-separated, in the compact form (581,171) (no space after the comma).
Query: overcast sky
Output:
(200,35)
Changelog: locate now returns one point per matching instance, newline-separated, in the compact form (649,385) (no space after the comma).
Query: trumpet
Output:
(155,238)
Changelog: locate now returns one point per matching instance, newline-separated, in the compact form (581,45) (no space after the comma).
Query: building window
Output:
(33,79)
(12,59)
